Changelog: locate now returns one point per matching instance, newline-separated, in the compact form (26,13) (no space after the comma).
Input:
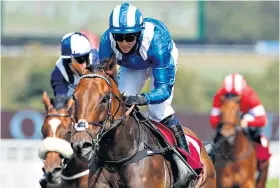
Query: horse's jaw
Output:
(54,185)
(54,180)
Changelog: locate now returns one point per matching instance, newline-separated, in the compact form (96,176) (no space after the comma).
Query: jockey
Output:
(144,48)
(73,45)
(254,115)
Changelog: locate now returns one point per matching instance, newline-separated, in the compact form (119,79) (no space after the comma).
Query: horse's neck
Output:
(121,141)
(232,142)
(241,143)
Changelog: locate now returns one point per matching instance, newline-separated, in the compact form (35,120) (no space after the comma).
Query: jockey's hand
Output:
(138,100)
(243,123)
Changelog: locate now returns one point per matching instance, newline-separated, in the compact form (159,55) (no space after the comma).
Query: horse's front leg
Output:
(150,172)
(99,178)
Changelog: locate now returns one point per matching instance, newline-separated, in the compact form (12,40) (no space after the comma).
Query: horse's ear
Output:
(77,67)
(70,105)
(46,100)
(110,66)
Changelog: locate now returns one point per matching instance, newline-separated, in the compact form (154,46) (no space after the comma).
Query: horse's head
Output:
(230,116)
(98,103)
(56,130)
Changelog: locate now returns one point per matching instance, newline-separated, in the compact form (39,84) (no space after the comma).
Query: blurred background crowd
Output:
(213,38)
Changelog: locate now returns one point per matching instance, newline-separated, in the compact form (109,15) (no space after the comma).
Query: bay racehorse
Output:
(60,168)
(236,159)
(123,145)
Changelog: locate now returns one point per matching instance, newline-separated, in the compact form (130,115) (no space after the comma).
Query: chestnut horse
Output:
(236,160)
(60,168)
(116,138)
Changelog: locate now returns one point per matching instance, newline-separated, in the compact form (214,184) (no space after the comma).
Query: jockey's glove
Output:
(138,100)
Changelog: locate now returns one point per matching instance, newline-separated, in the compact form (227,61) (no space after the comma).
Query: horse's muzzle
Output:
(83,150)
(53,176)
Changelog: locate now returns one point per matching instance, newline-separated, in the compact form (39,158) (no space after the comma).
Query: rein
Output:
(113,125)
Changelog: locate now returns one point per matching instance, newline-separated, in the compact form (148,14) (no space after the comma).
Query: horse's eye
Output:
(104,100)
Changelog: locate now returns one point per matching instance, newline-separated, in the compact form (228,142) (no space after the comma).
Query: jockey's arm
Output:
(256,117)
(105,50)
(163,70)
(59,85)
(215,111)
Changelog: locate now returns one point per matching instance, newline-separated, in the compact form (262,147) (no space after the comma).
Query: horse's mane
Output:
(110,69)
(60,101)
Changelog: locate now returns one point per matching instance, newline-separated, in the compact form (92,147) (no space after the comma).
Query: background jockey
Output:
(144,48)
(254,115)
(73,45)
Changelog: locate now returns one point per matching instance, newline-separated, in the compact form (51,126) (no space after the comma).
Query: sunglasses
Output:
(82,59)
(127,37)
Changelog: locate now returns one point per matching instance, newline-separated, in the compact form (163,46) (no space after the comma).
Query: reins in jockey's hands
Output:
(243,123)
(138,100)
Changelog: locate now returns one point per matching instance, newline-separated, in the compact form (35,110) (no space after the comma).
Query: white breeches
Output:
(132,81)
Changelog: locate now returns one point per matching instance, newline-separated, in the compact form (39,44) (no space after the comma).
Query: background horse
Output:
(60,168)
(127,153)
(236,162)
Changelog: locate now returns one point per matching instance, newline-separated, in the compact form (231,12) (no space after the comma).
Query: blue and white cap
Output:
(74,44)
(126,18)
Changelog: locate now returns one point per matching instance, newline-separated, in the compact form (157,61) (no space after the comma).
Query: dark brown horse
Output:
(236,161)
(124,150)
(60,169)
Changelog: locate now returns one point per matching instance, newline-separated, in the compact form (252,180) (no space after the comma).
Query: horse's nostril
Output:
(49,176)
(56,170)
(87,144)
